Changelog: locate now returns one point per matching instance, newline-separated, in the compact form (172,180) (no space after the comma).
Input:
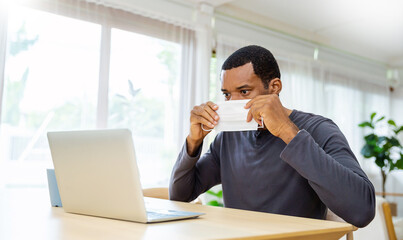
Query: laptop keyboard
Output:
(163,214)
(156,215)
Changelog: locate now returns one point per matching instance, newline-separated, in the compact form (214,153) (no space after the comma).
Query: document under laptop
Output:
(97,174)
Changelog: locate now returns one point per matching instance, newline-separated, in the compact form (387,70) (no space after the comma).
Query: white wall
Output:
(281,44)
(396,107)
(395,180)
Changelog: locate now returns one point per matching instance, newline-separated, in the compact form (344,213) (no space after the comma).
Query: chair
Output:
(388,220)
(162,193)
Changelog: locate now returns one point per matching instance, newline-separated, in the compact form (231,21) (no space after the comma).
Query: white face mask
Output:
(233,117)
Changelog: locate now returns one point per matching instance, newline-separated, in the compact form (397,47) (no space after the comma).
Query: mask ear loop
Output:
(207,130)
(258,126)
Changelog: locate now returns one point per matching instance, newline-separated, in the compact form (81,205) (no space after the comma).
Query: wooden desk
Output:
(26,214)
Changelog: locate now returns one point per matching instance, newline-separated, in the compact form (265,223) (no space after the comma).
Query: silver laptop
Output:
(97,174)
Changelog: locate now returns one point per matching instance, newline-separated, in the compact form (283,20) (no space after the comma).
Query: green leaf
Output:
(391,122)
(399,163)
(217,194)
(367,151)
(399,130)
(215,203)
(380,162)
(211,193)
(371,138)
(378,149)
(366,124)
(380,119)
(394,142)
(372,116)
(382,156)
(381,140)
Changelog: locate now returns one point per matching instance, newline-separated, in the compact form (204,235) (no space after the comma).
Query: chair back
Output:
(161,193)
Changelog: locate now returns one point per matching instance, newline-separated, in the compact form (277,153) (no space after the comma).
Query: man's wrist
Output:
(289,133)
(192,146)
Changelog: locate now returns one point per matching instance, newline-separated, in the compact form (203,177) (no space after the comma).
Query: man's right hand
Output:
(203,114)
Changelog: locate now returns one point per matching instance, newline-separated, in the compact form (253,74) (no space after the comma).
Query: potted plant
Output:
(385,150)
(217,198)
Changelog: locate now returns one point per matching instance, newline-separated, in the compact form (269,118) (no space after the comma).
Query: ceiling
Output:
(371,29)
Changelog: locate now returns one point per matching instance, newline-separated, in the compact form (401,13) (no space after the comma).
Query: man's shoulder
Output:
(313,122)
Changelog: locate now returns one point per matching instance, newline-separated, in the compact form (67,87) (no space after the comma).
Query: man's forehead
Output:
(244,71)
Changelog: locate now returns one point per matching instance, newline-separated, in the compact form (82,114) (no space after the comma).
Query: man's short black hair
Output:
(264,64)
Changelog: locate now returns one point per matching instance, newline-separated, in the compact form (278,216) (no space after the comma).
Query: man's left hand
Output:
(275,116)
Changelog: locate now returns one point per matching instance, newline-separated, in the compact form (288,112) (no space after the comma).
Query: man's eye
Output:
(226,94)
(244,91)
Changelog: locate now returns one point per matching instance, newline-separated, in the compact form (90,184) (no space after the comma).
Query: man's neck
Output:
(289,111)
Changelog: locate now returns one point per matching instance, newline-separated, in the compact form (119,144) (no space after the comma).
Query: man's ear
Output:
(275,86)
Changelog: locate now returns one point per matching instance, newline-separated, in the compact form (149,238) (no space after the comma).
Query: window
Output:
(51,83)
(52,80)
(143,96)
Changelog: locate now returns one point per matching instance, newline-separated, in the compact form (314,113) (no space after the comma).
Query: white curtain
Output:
(92,57)
(3,44)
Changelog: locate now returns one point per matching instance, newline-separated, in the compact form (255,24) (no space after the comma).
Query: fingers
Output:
(253,100)
(254,113)
(251,110)
(205,114)
(204,121)
(249,104)
(250,116)
(256,108)
(211,109)
(259,98)
(212,105)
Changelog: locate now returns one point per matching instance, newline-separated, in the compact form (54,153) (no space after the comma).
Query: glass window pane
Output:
(143,96)
(51,83)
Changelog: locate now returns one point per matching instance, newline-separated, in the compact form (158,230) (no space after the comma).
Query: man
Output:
(300,165)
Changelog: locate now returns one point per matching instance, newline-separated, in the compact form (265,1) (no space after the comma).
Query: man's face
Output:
(241,83)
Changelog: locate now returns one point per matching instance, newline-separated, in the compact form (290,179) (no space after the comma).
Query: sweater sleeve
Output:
(333,172)
(192,176)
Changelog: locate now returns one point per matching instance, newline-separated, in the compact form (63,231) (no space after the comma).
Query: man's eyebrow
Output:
(243,86)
